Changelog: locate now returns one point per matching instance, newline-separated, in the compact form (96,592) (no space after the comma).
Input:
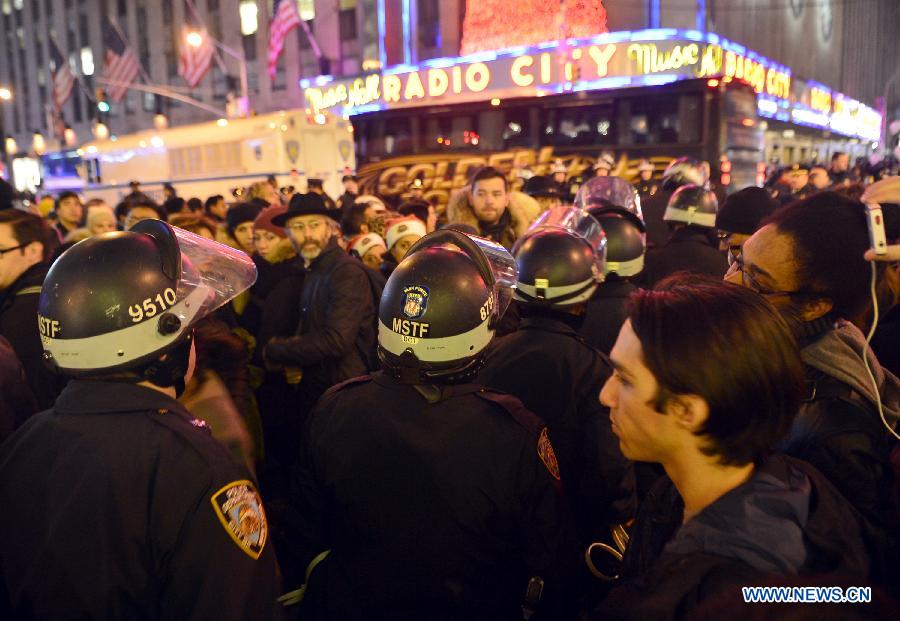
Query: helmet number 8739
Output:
(488,307)
(152,306)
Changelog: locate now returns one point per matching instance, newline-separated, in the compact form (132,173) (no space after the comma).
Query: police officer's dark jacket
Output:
(605,313)
(18,323)
(118,504)
(433,508)
(654,207)
(787,519)
(558,376)
(336,326)
(689,249)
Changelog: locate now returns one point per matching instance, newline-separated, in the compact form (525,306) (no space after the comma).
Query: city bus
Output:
(211,158)
(655,94)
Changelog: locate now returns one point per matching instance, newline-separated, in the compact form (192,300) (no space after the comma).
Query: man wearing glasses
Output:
(739,217)
(335,339)
(23,250)
(807,260)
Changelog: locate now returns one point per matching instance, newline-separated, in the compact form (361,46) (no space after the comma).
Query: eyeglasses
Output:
(750,282)
(299,227)
(3,251)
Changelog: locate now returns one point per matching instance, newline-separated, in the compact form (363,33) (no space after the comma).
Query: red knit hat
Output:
(264,221)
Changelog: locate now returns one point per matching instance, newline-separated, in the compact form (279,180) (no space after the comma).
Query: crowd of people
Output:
(608,399)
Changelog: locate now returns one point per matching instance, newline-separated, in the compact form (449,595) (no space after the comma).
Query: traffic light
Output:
(102,104)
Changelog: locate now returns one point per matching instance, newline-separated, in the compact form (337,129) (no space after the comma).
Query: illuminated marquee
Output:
(550,68)
(610,60)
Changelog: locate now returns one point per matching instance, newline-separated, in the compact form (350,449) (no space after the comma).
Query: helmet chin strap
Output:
(170,370)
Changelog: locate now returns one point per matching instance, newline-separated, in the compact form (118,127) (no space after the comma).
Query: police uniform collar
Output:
(691,234)
(82,396)
(559,324)
(615,288)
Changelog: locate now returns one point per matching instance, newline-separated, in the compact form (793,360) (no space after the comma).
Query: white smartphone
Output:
(877,236)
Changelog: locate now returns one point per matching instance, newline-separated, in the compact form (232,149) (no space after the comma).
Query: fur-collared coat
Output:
(523,210)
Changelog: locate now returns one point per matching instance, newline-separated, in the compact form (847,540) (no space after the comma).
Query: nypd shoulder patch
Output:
(240,510)
(545,452)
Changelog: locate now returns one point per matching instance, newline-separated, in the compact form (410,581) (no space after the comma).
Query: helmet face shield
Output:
(575,221)
(119,300)
(212,271)
(609,192)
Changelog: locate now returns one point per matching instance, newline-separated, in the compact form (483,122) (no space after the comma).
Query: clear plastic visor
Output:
(614,191)
(573,220)
(220,270)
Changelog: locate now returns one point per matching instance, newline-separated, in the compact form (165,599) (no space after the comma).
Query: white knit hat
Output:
(403,227)
(361,244)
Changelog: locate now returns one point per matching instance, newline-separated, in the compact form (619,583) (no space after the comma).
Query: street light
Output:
(69,136)
(11,146)
(5,94)
(194,38)
(160,121)
(101,131)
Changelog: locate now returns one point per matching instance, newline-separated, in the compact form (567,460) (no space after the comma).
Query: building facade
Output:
(849,46)
(154,29)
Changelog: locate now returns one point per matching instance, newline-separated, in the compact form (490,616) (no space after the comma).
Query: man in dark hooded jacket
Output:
(708,406)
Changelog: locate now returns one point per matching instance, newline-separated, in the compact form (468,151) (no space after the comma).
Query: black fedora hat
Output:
(309,204)
(540,185)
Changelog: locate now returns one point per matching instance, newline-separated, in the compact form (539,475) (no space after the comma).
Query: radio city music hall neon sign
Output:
(536,72)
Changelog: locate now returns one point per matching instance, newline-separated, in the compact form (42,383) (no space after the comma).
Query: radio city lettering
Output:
(544,72)
(650,60)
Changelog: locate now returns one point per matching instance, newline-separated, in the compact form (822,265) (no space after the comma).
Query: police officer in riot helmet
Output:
(434,497)
(682,171)
(692,245)
(122,503)
(556,374)
(625,247)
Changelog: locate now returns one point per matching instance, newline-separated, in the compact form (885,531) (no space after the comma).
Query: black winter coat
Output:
(558,376)
(605,314)
(125,507)
(17,403)
(438,507)
(18,324)
(787,519)
(690,249)
(336,327)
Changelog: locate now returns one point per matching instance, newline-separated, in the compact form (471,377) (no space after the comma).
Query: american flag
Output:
(285,19)
(194,62)
(63,78)
(120,63)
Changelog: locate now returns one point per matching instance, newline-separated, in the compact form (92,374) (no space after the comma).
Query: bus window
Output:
(397,137)
(516,130)
(664,120)
(580,126)
(450,132)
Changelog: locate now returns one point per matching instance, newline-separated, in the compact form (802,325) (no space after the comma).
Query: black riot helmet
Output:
(441,305)
(609,192)
(626,240)
(693,205)
(684,171)
(115,303)
(560,258)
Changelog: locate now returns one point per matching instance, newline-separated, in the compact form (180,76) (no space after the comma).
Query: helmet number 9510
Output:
(152,306)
